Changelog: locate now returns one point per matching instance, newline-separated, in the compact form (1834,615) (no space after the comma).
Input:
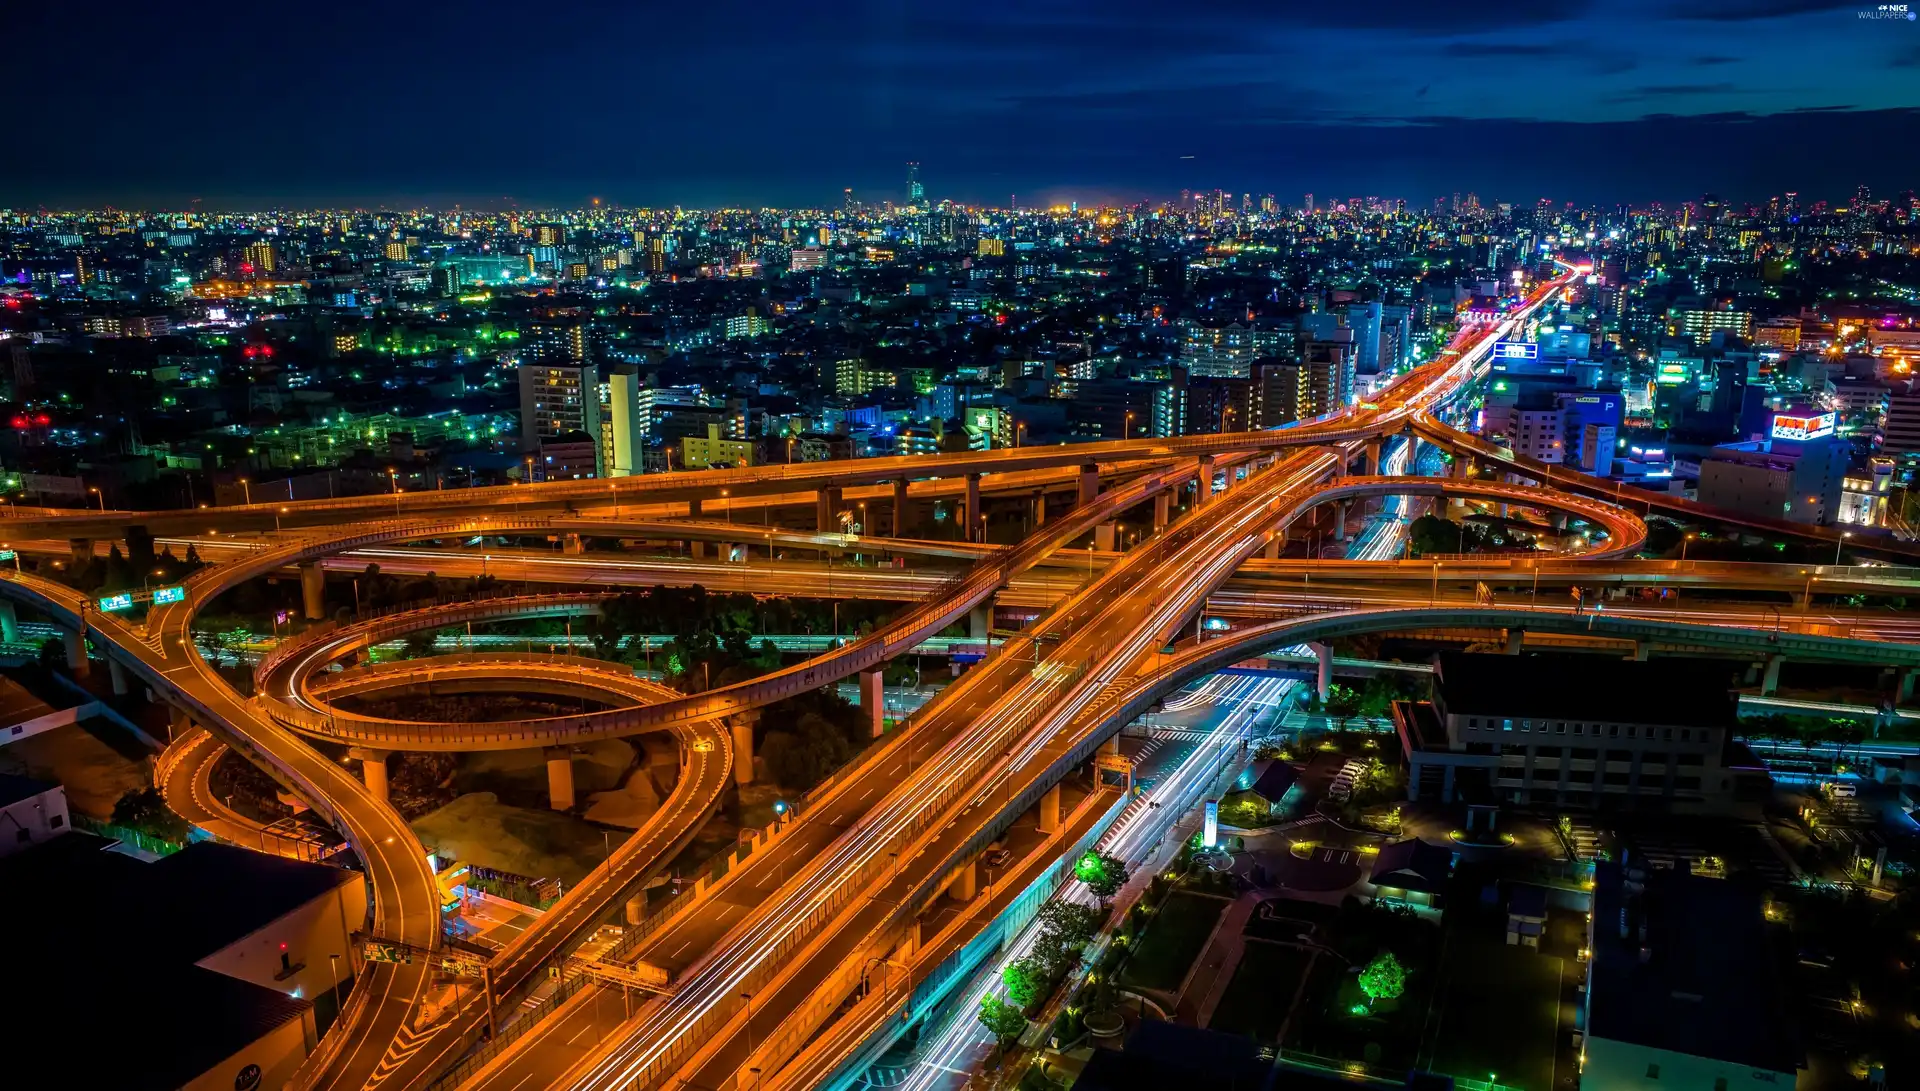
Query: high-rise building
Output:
(916,192)
(1308,203)
(626,439)
(546,235)
(558,399)
(547,340)
(1224,351)
(261,256)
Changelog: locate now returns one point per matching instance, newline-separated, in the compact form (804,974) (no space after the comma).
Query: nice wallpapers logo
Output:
(1890,11)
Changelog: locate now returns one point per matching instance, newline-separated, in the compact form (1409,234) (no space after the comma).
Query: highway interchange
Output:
(759,959)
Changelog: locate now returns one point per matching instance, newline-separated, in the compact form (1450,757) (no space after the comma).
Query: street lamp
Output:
(246,488)
(1683,547)
(1844,535)
(98,496)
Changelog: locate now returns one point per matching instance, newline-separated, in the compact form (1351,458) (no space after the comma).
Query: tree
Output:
(1026,980)
(1384,978)
(1103,872)
(1065,929)
(1001,1019)
(144,809)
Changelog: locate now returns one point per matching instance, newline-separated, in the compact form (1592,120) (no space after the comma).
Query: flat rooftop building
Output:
(1577,731)
(1683,986)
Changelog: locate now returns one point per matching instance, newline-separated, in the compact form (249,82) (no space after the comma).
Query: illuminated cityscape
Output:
(958,591)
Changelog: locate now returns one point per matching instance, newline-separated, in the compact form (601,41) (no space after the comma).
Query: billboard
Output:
(1803,426)
(1516,350)
(1673,375)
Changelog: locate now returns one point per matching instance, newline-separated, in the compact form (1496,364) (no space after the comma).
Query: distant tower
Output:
(847,202)
(1308,204)
(916,193)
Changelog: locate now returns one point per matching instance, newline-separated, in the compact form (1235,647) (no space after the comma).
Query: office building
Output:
(1577,731)
(31,811)
(715,449)
(1683,988)
(554,341)
(1798,473)
(1700,323)
(1224,351)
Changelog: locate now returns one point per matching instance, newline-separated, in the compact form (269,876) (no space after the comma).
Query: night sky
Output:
(704,102)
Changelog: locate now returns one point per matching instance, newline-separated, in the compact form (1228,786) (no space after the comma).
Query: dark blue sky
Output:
(713,101)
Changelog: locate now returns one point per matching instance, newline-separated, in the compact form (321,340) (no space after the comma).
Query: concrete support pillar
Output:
(697,549)
(80,550)
(1275,544)
(1642,650)
(826,509)
(9,623)
(900,508)
(1048,819)
(560,777)
(873,693)
(1516,639)
(1089,484)
(976,518)
(313,590)
(1907,678)
(1204,486)
(572,545)
(118,674)
(1770,681)
(1323,675)
(965,882)
(1111,747)
(1371,453)
(1162,510)
(693,508)
(1037,511)
(741,728)
(636,909)
(177,721)
(979,622)
(1342,508)
(76,652)
(1103,537)
(373,770)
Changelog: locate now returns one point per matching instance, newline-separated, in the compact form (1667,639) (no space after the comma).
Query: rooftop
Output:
(1671,692)
(14,788)
(1694,972)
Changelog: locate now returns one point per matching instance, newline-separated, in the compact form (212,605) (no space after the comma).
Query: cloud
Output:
(1907,57)
(1499,49)
(1665,90)
(1711,61)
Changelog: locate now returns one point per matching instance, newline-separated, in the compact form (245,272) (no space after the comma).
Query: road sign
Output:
(111,603)
(461,966)
(164,595)
(9,555)
(386,952)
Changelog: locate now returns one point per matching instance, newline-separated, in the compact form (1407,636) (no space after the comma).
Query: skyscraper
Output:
(916,193)
(557,400)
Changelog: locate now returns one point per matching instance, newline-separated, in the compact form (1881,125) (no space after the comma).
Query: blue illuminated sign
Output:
(1516,350)
(164,595)
(121,601)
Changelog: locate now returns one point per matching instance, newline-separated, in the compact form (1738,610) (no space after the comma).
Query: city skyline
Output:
(727,105)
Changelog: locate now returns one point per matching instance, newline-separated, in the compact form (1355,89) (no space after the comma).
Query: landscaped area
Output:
(1499,1013)
(1174,937)
(1262,989)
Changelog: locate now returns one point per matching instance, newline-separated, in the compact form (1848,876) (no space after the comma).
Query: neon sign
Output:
(1792,427)
(1516,350)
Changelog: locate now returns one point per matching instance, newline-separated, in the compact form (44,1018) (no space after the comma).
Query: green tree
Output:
(1001,1019)
(1103,872)
(1384,978)
(144,809)
(1065,930)
(1026,980)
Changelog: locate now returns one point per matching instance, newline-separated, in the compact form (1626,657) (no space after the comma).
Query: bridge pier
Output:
(1036,512)
(1048,820)
(572,545)
(1323,676)
(1370,455)
(697,549)
(637,908)
(900,507)
(873,691)
(1341,506)
(118,675)
(1907,678)
(1103,537)
(1111,745)
(1089,484)
(1162,510)
(1642,650)
(373,770)
(826,509)
(80,551)
(980,623)
(693,508)
(560,777)
(965,882)
(76,645)
(1275,544)
(1204,481)
(9,623)
(740,725)
(976,518)
(1516,640)
(1770,680)
(313,590)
